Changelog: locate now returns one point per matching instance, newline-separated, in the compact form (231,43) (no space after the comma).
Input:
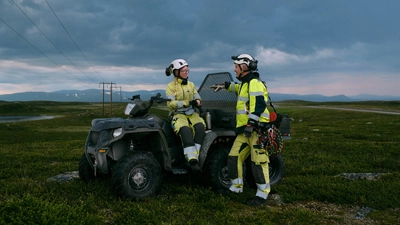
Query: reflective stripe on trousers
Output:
(263,190)
(190,153)
(198,147)
(237,185)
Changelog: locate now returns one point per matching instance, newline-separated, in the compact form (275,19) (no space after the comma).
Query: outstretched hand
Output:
(217,87)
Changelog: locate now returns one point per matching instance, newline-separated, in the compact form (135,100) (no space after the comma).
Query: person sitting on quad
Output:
(185,120)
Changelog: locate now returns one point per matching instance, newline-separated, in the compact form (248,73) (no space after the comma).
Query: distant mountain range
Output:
(95,95)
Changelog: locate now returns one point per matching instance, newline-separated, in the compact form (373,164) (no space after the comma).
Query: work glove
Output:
(217,87)
(193,103)
(248,130)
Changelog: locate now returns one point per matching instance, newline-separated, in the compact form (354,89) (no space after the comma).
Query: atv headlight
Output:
(129,108)
(117,132)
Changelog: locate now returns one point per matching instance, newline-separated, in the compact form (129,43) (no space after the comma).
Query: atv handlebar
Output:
(158,98)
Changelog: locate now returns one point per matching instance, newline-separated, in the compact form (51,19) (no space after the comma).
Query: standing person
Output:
(186,122)
(251,111)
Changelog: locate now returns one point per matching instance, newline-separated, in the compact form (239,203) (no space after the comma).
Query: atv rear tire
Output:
(86,172)
(217,170)
(137,175)
(276,170)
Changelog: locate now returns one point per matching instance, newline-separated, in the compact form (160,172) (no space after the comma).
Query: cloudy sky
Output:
(327,47)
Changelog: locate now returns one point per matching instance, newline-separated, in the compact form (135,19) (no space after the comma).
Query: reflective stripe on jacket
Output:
(251,103)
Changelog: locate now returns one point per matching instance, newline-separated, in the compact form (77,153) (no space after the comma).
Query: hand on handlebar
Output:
(217,87)
(194,103)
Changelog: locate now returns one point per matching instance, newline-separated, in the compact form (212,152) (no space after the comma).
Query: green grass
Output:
(325,143)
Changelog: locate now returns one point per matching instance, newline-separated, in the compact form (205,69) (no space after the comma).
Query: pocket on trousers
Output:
(260,157)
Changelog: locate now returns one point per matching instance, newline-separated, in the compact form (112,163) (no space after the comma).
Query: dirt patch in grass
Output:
(333,212)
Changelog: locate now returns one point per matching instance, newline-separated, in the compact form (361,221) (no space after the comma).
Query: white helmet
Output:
(245,59)
(175,65)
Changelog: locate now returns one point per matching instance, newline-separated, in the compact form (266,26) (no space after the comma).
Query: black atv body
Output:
(136,151)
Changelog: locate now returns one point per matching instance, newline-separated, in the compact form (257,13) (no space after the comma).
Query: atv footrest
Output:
(179,171)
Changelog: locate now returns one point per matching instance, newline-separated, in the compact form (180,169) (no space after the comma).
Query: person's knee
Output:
(185,129)
(199,127)
(186,135)
(199,133)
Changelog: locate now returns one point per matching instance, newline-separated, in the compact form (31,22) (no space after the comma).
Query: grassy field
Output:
(325,143)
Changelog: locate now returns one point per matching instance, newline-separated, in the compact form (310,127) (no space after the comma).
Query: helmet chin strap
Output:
(241,73)
(184,81)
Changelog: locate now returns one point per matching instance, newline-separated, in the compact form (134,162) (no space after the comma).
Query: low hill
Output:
(95,95)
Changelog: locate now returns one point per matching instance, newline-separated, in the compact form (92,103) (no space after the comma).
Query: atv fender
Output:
(102,162)
(207,142)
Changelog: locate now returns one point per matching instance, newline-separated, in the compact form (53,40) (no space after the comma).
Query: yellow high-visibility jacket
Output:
(252,101)
(181,95)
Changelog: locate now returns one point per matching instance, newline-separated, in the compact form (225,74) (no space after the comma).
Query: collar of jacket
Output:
(182,81)
(248,77)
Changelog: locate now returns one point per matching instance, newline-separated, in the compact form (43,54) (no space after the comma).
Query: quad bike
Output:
(136,151)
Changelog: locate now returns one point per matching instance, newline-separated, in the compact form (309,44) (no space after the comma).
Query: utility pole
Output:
(111,86)
(103,96)
(120,94)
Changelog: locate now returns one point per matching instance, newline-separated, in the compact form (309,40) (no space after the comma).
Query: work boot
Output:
(194,165)
(224,192)
(256,201)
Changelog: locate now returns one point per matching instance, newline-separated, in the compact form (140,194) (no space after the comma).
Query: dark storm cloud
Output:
(296,38)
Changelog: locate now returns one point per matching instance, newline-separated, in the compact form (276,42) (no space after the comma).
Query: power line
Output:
(73,40)
(51,41)
(38,49)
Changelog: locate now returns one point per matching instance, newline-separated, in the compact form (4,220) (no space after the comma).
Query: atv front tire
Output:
(86,172)
(137,176)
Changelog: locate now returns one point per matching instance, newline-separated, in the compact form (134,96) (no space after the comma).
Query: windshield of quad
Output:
(222,100)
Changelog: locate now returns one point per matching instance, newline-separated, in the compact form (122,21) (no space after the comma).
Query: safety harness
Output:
(269,136)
